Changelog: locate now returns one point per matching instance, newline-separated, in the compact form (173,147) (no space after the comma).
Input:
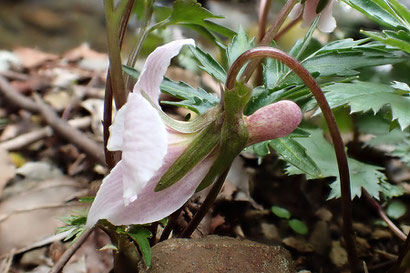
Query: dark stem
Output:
(264,51)
(403,262)
(70,251)
(383,215)
(287,28)
(270,34)
(263,16)
(171,224)
(111,158)
(206,205)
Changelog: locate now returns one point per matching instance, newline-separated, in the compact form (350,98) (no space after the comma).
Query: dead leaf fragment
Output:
(299,244)
(31,58)
(7,169)
(338,254)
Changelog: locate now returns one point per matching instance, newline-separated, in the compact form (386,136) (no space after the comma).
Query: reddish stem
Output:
(264,51)
(263,16)
(383,215)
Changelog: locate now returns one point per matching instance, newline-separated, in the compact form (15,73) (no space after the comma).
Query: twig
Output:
(31,137)
(383,215)
(210,198)
(70,251)
(71,134)
(60,126)
(309,81)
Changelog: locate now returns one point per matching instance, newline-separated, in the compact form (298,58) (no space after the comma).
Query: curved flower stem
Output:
(383,215)
(209,200)
(264,51)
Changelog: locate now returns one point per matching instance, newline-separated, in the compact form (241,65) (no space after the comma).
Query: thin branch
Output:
(209,200)
(33,136)
(58,267)
(264,51)
(383,215)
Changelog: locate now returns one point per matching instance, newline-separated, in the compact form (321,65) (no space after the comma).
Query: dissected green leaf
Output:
(209,64)
(366,96)
(378,12)
(281,212)
(141,235)
(299,226)
(396,209)
(240,44)
(322,153)
(191,12)
(195,100)
(294,153)
(399,39)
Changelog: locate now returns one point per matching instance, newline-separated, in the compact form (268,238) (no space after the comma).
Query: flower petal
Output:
(150,206)
(273,121)
(327,22)
(296,11)
(155,67)
(117,130)
(145,145)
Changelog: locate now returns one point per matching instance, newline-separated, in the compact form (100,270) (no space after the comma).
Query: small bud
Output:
(273,121)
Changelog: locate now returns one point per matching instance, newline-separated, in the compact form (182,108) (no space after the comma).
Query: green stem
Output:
(206,205)
(264,51)
(118,25)
(141,36)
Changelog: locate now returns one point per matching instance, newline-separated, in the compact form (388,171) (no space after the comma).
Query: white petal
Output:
(155,67)
(117,130)
(296,11)
(327,22)
(150,206)
(145,145)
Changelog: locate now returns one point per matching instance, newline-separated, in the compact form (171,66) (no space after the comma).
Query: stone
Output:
(217,254)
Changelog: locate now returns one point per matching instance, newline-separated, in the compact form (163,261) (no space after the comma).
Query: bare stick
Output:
(59,125)
(69,133)
(270,52)
(70,251)
(31,137)
(383,215)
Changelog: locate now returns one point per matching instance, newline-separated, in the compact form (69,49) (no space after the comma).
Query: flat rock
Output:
(218,254)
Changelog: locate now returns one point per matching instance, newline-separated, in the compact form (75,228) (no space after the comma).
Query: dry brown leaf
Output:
(33,215)
(7,169)
(31,58)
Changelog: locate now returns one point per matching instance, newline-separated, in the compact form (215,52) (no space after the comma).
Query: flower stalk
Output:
(262,52)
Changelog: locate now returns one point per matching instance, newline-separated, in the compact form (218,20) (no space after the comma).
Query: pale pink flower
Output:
(149,148)
(327,22)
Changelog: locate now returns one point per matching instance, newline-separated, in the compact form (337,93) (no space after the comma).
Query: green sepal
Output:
(199,148)
(186,127)
(234,135)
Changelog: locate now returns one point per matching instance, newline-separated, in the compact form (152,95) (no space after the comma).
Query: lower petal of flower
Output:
(150,206)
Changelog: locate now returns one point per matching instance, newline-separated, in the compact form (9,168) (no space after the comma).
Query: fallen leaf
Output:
(7,169)
(31,58)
